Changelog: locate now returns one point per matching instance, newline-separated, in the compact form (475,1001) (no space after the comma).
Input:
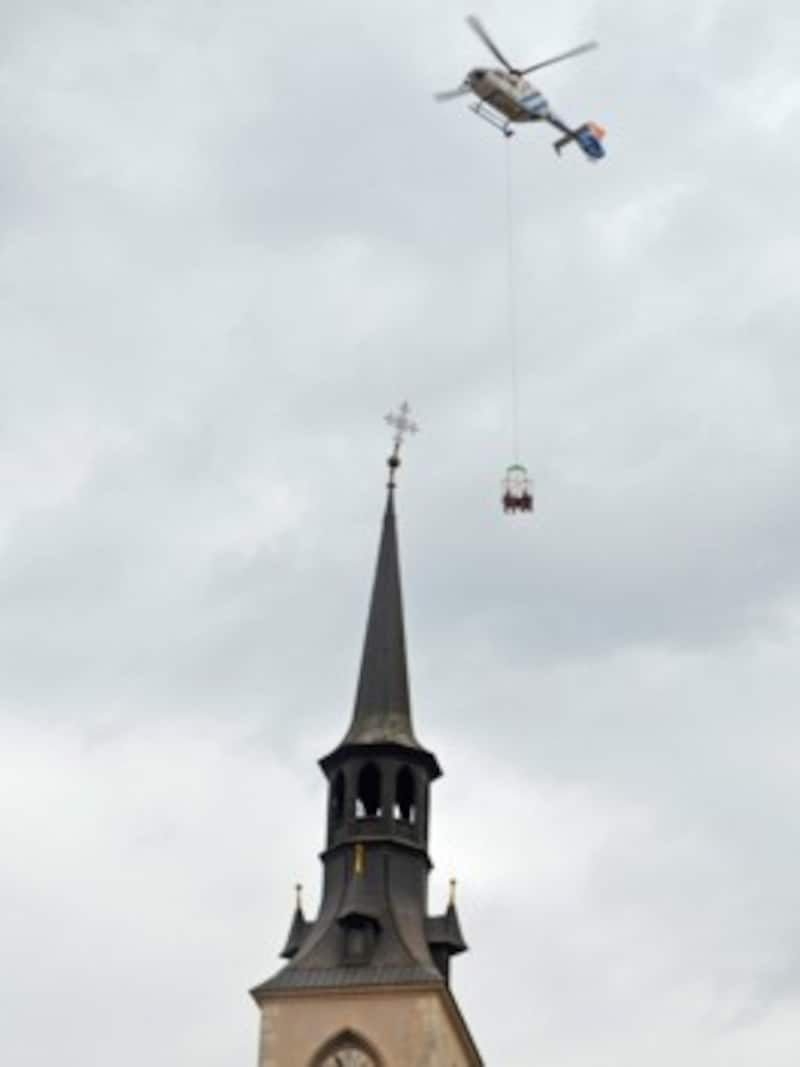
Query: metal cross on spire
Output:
(402,425)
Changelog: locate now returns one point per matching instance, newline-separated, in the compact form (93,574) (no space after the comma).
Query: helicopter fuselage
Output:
(505,97)
(510,94)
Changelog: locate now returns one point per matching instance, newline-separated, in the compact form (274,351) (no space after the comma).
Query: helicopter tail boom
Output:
(588,137)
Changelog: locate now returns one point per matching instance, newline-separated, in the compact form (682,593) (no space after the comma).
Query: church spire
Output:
(382,712)
(382,707)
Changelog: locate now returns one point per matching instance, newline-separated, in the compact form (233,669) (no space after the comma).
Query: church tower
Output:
(367,983)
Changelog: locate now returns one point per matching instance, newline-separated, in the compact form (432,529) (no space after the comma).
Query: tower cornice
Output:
(386,749)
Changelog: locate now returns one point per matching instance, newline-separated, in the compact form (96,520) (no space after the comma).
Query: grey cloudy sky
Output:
(233,235)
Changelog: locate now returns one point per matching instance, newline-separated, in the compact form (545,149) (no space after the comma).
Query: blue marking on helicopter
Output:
(534,103)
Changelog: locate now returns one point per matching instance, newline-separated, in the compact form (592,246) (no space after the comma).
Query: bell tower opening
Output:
(337,799)
(405,803)
(368,793)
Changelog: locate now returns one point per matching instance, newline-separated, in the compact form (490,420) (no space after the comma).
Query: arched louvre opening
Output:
(368,794)
(337,798)
(405,804)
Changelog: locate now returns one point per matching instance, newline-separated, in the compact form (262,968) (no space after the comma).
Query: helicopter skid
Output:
(492,119)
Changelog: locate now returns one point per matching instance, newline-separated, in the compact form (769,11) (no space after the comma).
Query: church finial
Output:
(298,892)
(402,425)
(453,884)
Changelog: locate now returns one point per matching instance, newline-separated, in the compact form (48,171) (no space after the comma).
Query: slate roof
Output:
(446,930)
(342,977)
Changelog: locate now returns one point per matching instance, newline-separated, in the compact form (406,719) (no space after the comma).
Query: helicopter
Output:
(506,96)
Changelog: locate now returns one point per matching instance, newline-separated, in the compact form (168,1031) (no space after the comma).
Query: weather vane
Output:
(402,425)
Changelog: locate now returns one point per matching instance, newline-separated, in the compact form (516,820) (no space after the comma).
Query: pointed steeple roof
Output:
(298,930)
(382,711)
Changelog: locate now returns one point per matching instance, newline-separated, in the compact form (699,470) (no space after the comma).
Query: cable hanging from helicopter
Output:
(517,494)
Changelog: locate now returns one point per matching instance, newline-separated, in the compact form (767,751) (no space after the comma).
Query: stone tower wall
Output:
(409,1028)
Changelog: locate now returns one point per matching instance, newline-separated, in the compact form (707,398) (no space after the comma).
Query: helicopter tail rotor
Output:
(588,137)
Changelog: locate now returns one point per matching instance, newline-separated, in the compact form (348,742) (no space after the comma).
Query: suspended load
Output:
(517,494)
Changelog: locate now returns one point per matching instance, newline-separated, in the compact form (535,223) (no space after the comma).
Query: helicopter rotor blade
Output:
(477,26)
(564,55)
(451,94)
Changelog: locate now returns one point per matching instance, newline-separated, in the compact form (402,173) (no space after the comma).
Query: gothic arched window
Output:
(368,795)
(346,1050)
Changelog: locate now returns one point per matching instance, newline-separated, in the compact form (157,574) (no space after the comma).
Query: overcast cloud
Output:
(233,236)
